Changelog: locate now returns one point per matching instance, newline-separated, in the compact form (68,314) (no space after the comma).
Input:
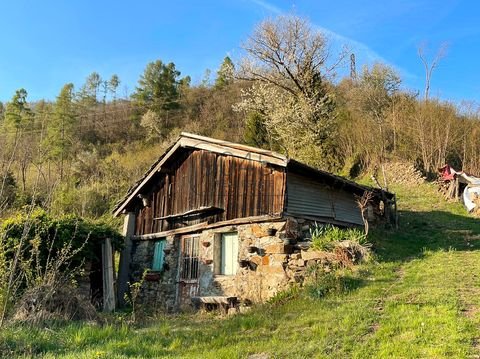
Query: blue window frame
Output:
(158,255)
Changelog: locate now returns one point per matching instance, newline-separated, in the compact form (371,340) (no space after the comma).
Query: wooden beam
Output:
(234,145)
(146,179)
(232,151)
(205,225)
(246,220)
(323,219)
(190,212)
(125,258)
(171,232)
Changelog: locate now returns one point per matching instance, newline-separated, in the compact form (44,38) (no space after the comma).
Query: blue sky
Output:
(45,44)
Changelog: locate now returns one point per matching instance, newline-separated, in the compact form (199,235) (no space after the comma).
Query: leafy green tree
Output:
(90,90)
(373,103)
(158,87)
(18,114)
(18,127)
(255,131)
(225,74)
(113,84)
(62,127)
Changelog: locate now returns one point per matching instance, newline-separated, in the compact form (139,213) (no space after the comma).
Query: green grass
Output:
(420,298)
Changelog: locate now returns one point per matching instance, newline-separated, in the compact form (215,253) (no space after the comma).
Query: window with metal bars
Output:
(190,258)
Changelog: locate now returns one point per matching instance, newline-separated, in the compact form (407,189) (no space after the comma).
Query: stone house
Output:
(218,222)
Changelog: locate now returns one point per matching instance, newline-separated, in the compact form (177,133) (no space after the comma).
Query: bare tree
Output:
(430,66)
(286,52)
(291,67)
(363,203)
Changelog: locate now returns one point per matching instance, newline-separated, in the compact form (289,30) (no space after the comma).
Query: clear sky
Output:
(45,44)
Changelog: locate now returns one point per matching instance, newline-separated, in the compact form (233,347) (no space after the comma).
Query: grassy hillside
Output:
(420,298)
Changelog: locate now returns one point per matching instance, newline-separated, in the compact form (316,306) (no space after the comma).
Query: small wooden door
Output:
(229,253)
(189,268)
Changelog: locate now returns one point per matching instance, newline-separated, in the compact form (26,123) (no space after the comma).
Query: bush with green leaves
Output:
(37,248)
(54,232)
(325,237)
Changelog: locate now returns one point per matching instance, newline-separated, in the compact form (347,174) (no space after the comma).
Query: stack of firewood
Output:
(403,173)
(476,200)
(448,188)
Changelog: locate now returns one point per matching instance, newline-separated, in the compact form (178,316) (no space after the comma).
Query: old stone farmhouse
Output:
(214,220)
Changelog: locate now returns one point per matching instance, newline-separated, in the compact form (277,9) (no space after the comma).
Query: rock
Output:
(303,245)
(265,260)
(294,256)
(313,255)
(232,311)
(279,258)
(258,231)
(259,356)
(272,269)
(244,309)
(300,262)
(279,248)
(256,259)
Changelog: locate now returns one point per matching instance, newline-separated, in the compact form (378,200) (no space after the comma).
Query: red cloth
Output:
(447,173)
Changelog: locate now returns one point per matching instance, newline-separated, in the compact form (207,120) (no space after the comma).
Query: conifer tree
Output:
(61,129)
(225,74)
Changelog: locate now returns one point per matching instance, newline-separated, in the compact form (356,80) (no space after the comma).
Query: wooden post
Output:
(107,272)
(124,266)
(457,188)
(395,209)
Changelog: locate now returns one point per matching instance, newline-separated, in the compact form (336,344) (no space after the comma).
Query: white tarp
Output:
(471,191)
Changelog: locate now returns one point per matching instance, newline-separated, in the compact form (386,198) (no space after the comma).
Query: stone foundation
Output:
(270,259)
(158,288)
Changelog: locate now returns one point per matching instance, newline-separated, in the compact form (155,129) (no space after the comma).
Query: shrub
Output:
(38,250)
(325,237)
(349,245)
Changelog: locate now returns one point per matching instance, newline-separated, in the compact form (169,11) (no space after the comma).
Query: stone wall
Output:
(272,256)
(158,288)
(262,277)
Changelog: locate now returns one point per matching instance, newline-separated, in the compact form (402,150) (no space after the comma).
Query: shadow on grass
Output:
(426,231)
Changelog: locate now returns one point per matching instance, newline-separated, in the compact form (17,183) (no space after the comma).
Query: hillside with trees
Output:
(66,162)
(79,153)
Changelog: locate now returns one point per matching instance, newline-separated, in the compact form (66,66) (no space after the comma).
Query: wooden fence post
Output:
(124,266)
(107,271)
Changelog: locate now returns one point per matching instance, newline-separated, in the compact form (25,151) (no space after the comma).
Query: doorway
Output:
(189,268)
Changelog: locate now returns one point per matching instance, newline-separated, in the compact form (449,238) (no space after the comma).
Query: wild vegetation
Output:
(418,297)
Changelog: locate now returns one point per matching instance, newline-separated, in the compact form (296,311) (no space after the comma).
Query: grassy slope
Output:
(420,299)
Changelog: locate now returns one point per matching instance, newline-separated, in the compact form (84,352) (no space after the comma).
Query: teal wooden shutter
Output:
(158,255)
(229,253)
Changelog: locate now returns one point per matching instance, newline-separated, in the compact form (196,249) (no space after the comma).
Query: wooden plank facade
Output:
(199,186)
(200,181)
